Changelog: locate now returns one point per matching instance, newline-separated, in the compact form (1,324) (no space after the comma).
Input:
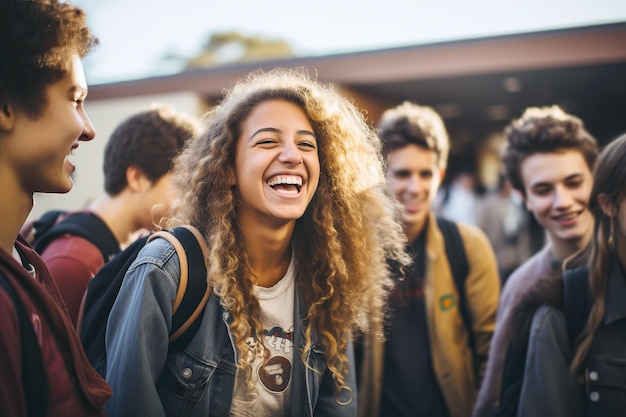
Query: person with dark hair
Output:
(548,157)
(579,370)
(138,161)
(287,186)
(43,368)
(442,310)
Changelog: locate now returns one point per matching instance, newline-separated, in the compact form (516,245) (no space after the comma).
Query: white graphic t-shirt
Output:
(271,361)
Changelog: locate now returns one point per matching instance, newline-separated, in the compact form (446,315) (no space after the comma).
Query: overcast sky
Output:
(135,35)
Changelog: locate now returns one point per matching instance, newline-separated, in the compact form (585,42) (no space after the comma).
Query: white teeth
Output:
(285,179)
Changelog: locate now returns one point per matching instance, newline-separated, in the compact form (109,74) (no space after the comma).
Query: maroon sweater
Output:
(75,388)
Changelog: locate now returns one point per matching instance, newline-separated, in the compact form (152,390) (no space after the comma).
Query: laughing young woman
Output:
(287,184)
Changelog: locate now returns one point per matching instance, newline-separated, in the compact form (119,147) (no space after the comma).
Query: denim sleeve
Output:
(137,332)
(549,389)
(342,404)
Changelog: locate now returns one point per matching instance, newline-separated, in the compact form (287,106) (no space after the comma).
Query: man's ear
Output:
(136,178)
(442,175)
(7,111)
(606,205)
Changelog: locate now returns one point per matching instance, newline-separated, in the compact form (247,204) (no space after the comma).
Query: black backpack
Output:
(191,297)
(457,259)
(87,225)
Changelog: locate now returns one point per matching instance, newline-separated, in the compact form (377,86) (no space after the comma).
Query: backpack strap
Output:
(193,290)
(576,301)
(457,259)
(86,225)
(34,230)
(34,375)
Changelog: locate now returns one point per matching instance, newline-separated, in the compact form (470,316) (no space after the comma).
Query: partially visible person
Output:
(43,368)
(548,157)
(459,200)
(582,374)
(138,161)
(434,354)
(287,185)
(506,222)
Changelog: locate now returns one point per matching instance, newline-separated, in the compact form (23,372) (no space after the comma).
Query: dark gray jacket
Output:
(549,389)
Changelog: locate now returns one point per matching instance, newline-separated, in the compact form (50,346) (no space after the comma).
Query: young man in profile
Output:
(138,160)
(548,158)
(43,368)
(427,365)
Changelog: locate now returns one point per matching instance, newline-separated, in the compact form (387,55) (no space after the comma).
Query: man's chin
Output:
(56,188)
(572,236)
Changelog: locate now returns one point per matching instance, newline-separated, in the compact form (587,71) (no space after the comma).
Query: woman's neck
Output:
(269,252)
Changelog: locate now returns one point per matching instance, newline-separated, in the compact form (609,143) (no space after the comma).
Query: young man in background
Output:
(428,366)
(548,158)
(138,160)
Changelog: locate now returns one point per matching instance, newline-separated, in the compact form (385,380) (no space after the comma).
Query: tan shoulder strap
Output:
(184,267)
(184,275)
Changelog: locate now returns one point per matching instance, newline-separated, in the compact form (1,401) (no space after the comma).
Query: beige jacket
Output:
(451,355)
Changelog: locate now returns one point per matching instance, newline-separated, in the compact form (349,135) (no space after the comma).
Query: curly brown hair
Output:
(341,243)
(39,38)
(410,123)
(149,140)
(544,130)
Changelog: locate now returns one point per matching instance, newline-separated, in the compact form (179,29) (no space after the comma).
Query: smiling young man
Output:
(427,365)
(548,158)
(43,369)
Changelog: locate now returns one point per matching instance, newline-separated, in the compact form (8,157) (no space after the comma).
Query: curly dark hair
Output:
(148,140)
(544,130)
(39,38)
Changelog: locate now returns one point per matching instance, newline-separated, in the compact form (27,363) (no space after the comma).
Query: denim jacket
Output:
(199,380)
(550,389)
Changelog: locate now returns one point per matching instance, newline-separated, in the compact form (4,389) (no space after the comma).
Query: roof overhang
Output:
(590,45)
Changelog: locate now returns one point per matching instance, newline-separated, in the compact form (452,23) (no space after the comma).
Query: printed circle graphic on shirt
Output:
(275,373)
